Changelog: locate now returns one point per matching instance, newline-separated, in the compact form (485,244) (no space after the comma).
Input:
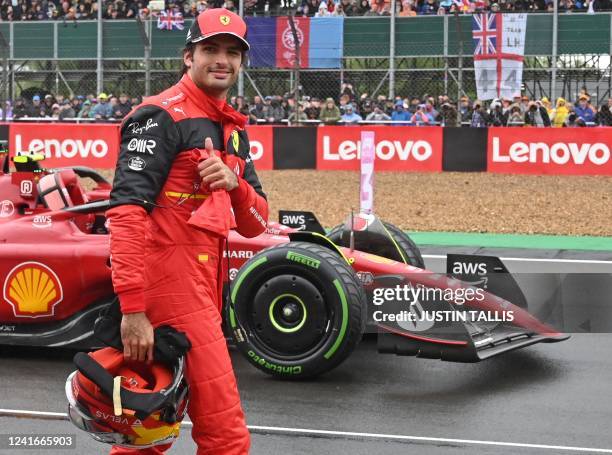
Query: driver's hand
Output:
(137,337)
(214,172)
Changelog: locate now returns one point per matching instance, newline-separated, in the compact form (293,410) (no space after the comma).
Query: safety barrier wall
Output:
(555,151)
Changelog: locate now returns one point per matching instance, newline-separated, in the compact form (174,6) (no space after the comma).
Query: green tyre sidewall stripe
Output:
(239,281)
(344,323)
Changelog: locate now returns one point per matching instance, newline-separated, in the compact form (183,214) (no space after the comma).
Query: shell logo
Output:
(33,290)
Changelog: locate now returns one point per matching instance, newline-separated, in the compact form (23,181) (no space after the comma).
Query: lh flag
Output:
(273,42)
(499,47)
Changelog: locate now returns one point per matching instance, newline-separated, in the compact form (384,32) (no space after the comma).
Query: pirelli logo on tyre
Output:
(303,259)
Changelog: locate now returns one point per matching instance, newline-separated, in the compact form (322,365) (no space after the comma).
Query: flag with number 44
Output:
(499,47)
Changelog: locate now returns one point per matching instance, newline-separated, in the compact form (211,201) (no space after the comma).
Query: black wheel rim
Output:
(288,317)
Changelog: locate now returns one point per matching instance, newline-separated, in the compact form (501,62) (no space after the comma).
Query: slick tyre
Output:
(410,253)
(298,310)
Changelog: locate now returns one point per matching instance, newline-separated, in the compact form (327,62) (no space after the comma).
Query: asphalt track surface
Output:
(544,399)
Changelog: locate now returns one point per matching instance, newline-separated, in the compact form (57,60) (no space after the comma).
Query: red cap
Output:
(217,21)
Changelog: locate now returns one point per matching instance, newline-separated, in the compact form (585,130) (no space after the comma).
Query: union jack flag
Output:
(484,33)
(168,20)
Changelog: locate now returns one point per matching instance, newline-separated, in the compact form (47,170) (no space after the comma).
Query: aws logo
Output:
(33,290)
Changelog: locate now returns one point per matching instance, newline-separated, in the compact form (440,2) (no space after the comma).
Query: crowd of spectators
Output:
(425,111)
(349,108)
(74,10)
(57,107)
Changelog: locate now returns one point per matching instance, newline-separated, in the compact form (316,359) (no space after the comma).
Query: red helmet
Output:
(129,404)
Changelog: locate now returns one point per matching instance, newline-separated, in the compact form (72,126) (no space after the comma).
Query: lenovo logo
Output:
(67,148)
(385,150)
(560,153)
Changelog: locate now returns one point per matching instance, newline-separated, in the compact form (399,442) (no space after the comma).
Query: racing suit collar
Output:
(216,109)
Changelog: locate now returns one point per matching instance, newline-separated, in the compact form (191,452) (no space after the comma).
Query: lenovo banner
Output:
(67,144)
(96,145)
(261,139)
(397,148)
(560,151)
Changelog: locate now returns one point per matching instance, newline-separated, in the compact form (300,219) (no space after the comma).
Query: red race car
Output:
(299,299)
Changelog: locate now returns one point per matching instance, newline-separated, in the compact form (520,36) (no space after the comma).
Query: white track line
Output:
(343,434)
(568,261)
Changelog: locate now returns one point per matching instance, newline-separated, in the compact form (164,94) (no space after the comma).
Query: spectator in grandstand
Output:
(323,10)
(536,115)
(584,110)
(86,110)
(366,107)
(447,115)
(348,90)
(399,114)
(429,7)
(414,105)
(7,112)
(273,111)
(47,105)
(123,107)
(479,115)
(103,110)
(559,114)
(66,111)
(430,110)
(515,118)
(301,115)
(330,113)
(420,118)
(407,9)
(313,109)
(309,8)
(350,116)
(257,111)
(349,8)
(20,110)
(546,103)
(363,7)
(524,104)
(604,116)
(36,109)
(55,111)
(377,115)
(497,117)
(344,101)
(506,105)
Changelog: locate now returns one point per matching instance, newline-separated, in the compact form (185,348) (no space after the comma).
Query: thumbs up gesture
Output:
(214,172)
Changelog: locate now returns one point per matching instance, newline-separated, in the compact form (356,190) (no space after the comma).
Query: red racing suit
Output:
(171,269)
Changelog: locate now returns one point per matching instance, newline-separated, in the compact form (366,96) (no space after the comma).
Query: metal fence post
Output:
(241,74)
(12,56)
(446,54)
(55,56)
(392,52)
(553,83)
(147,56)
(99,67)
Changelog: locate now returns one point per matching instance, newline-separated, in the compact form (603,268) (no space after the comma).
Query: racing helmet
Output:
(129,404)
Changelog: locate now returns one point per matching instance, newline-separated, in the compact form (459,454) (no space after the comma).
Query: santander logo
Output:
(561,153)
(67,148)
(385,150)
(257,150)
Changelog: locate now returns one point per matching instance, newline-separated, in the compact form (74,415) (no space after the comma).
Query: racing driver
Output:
(183,179)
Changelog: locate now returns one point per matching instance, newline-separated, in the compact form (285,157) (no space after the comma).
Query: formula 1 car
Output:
(299,299)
